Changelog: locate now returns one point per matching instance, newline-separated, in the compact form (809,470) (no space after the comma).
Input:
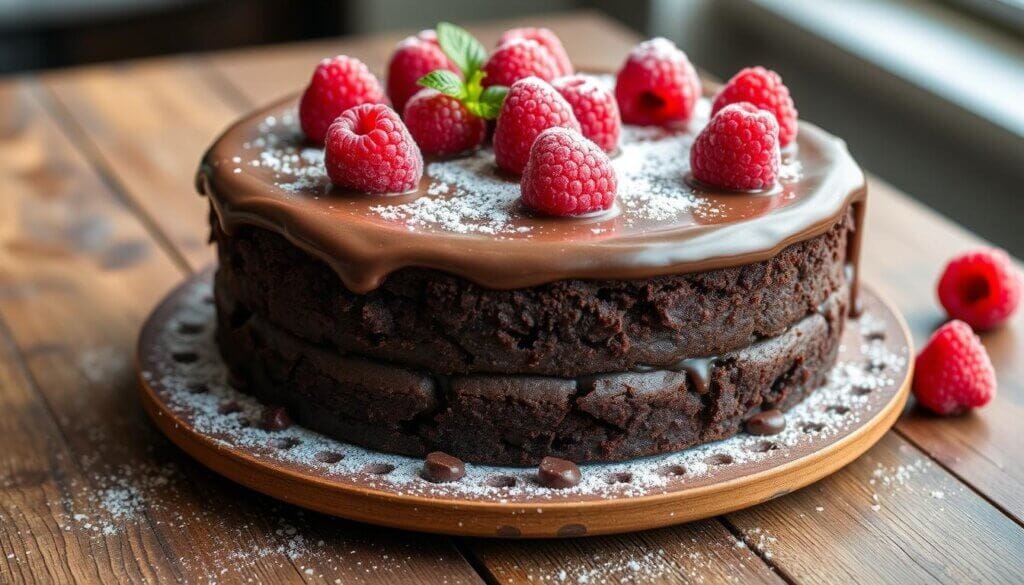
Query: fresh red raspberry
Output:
(657,85)
(953,372)
(547,39)
(594,107)
(441,125)
(413,58)
(531,107)
(982,288)
(369,149)
(738,150)
(567,175)
(338,84)
(763,88)
(517,59)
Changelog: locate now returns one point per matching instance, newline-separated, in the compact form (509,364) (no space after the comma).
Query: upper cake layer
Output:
(465,218)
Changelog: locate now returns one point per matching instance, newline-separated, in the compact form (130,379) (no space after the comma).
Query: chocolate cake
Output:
(451,319)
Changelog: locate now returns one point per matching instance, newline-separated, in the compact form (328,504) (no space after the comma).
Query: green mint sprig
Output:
(469,56)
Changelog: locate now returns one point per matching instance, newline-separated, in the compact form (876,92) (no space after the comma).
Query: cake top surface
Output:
(465,217)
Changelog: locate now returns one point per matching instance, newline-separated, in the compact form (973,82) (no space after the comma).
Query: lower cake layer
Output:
(518,419)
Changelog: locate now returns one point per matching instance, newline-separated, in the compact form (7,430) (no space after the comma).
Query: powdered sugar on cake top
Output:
(468,195)
(197,390)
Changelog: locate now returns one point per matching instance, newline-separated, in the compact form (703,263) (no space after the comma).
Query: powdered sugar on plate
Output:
(186,370)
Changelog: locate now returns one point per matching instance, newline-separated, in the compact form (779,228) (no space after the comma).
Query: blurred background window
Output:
(929,94)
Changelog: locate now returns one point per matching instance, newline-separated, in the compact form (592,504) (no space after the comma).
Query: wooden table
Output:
(99,219)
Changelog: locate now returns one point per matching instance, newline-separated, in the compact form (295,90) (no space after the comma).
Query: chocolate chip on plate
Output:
(440,467)
(275,418)
(768,422)
(558,473)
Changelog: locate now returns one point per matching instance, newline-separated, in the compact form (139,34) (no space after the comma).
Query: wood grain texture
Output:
(906,248)
(146,125)
(699,552)
(261,75)
(891,516)
(70,257)
(142,510)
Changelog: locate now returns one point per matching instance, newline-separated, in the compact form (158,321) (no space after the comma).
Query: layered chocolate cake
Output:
(452,318)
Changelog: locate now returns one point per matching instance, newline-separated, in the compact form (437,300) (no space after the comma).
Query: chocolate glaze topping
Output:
(261,173)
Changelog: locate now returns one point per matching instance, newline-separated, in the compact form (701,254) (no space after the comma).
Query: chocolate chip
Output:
(275,418)
(558,473)
(768,422)
(441,467)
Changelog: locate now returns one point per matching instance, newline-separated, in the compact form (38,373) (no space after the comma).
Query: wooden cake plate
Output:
(186,392)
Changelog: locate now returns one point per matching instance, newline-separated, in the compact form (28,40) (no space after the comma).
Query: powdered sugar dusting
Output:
(468,195)
(197,390)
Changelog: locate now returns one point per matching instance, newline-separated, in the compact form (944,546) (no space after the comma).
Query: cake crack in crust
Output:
(443,323)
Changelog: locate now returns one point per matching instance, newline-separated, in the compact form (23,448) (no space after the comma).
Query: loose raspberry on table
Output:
(981,288)
(594,107)
(369,149)
(338,84)
(567,175)
(657,85)
(413,58)
(547,39)
(518,59)
(764,89)
(531,107)
(441,124)
(953,372)
(738,150)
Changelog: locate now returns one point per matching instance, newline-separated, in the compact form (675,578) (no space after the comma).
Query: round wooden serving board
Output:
(185,391)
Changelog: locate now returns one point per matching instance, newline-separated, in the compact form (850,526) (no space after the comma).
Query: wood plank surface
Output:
(697,552)
(890,516)
(95,228)
(592,40)
(79,272)
(906,248)
(147,125)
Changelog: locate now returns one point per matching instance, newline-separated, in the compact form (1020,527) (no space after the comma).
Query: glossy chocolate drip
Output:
(363,247)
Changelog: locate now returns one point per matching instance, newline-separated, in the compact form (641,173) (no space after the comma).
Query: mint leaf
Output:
(489,105)
(445,82)
(461,47)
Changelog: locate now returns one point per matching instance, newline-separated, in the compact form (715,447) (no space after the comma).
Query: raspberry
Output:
(982,288)
(518,59)
(738,150)
(369,149)
(531,107)
(657,85)
(338,84)
(763,88)
(567,175)
(594,108)
(547,39)
(953,372)
(441,125)
(413,58)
